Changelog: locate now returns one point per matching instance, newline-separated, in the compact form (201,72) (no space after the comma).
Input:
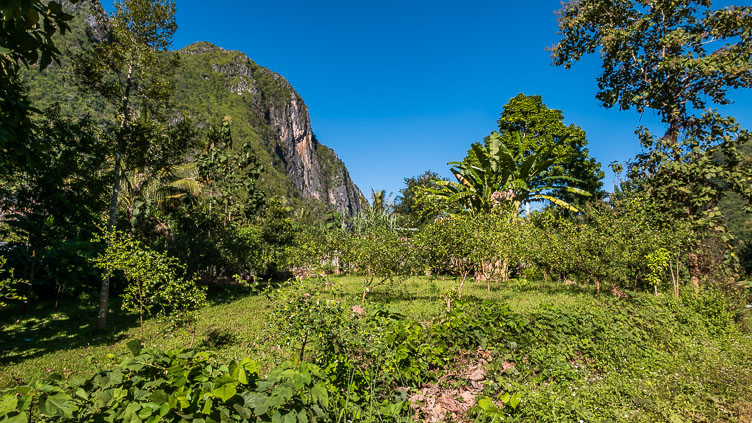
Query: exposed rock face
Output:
(300,148)
(295,135)
(313,168)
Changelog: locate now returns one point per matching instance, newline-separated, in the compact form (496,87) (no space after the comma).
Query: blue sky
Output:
(400,86)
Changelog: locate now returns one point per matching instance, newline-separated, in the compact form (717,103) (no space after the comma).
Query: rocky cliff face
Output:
(303,159)
(280,118)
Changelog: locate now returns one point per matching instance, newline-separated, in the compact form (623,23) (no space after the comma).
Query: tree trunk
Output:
(505,270)
(693,262)
(193,335)
(462,283)
(302,349)
(597,288)
(675,277)
(104,291)
(27,289)
(57,294)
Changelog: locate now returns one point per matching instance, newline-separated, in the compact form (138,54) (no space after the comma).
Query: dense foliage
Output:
(478,361)
(188,207)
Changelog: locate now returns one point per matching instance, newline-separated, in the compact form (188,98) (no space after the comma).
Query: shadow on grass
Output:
(225,293)
(46,329)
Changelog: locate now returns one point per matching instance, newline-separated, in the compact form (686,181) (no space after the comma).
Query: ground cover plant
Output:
(524,351)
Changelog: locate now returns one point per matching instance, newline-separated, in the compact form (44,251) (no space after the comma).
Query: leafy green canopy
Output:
(676,58)
(672,57)
(129,72)
(154,279)
(500,177)
(229,176)
(539,126)
(26,30)
(409,209)
(533,157)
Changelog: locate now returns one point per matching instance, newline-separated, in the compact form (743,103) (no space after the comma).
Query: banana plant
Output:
(499,177)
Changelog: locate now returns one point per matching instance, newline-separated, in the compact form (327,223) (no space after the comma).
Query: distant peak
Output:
(200,47)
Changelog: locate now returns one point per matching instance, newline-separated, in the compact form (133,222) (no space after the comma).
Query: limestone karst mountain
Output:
(212,83)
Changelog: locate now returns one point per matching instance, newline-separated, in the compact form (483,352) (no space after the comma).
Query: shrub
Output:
(154,280)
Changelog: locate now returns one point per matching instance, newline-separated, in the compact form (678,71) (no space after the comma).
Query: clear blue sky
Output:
(398,87)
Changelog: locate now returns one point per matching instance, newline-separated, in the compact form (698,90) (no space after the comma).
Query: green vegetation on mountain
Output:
(210,83)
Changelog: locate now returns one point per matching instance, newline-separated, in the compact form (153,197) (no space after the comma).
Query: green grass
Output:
(63,340)
(649,359)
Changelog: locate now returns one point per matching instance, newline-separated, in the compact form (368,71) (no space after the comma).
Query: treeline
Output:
(67,184)
(617,246)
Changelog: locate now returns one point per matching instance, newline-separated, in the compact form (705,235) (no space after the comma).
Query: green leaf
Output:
(257,401)
(514,401)
(8,404)
(226,391)
(18,418)
(159,397)
(134,346)
(486,404)
(238,372)
(59,404)
(207,406)
(131,413)
(320,394)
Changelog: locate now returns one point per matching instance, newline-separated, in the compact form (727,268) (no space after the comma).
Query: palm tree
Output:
(143,190)
(497,177)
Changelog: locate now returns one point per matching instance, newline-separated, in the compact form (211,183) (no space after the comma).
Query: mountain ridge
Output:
(276,114)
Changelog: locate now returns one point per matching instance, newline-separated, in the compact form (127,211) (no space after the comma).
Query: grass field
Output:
(651,359)
(234,325)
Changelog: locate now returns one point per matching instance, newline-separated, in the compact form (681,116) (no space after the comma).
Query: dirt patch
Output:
(456,392)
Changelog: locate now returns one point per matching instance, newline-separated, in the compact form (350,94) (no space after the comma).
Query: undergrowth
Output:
(487,358)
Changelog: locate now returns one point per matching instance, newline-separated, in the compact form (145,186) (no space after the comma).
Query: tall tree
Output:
(495,176)
(129,72)
(230,175)
(538,126)
(410,210)
(53,207)
(676,58)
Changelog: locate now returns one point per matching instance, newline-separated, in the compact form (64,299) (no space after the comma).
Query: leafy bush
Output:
(380,255)
(155,386)
(9,285)
(153,280)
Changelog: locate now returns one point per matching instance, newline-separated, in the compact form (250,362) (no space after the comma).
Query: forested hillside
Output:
(210,84)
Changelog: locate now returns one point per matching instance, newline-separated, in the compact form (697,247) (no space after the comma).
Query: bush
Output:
(154,280)
(157,386)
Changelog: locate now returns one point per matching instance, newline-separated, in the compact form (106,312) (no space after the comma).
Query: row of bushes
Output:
(623,247)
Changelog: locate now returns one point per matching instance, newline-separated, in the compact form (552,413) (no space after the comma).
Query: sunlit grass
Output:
(64,341)
(237,324)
